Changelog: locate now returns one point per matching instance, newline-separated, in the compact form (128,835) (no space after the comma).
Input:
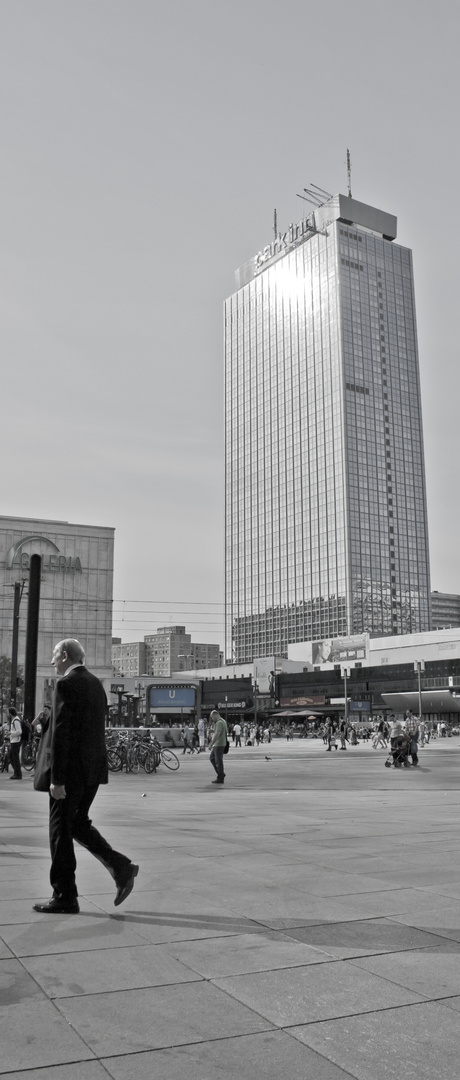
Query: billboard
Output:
(340,650)
(172,697)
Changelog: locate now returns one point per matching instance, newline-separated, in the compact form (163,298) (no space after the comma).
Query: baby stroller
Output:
(399,753)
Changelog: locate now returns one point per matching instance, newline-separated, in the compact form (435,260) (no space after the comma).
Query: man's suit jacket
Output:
(78,750)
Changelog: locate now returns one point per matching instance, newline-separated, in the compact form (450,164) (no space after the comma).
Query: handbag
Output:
(42,775)
(226,747)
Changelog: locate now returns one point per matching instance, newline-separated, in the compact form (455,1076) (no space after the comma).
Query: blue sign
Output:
(172,697)
(359,706)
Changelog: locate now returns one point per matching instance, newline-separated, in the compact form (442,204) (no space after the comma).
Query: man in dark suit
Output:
(78,766)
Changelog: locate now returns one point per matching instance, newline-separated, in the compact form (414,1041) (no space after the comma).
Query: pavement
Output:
(300,922)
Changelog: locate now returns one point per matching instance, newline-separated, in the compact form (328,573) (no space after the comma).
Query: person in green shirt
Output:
(218,745)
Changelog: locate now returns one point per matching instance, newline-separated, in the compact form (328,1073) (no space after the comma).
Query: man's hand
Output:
(57,791)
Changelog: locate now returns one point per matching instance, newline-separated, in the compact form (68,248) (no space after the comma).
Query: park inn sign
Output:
(52,561)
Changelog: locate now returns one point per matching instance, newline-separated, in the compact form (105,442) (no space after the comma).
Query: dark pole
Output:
(30,669)
(18,587)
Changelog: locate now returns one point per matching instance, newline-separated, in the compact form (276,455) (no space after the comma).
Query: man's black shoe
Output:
(55,906)
(125,885)
(15,778)
(217,781)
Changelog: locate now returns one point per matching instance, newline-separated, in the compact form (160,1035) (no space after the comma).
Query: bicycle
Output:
(5,757)
(29,754)
(167,757)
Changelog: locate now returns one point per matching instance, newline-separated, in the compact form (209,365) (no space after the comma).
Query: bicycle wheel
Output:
(169,759)
(28,757)
(151,761)
(114,761)
(132,761)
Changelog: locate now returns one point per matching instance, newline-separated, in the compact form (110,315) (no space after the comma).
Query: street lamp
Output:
(419,666)
(345,672)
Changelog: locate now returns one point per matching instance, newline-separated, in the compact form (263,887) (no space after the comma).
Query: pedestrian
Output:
(187,738)
(379,737)
(75,738)
(343,734)
(201,736)
(237,734)
(15,743)
(395,730)
(218,746)
(41,720)
(329,730)
(411,729)
(257,735)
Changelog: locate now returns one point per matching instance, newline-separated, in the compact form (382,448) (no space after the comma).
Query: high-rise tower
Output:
(326,524)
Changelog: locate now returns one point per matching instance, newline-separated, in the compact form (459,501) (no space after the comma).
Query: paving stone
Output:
(318,992)
(245,953)
(434,973)
(68,933)
(416,1043)
(77,1070)
(5,952)
(157,1017)
(348,939)
(34,1034)
(269,1056)
(15,984)
(71,974)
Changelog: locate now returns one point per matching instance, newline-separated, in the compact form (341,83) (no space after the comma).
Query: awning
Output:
(433,701)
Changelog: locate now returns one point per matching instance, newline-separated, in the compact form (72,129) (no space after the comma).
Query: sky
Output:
(145,145)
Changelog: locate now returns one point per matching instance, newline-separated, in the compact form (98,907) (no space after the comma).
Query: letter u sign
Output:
(172,694)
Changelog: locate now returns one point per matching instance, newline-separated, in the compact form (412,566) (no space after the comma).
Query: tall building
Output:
(326,523)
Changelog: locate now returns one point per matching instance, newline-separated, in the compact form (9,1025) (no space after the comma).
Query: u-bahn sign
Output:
(172,697)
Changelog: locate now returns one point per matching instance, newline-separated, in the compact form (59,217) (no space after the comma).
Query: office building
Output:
(445,610)
(201,656)
(326,522)
(172,649)
(76,591)
(128,658)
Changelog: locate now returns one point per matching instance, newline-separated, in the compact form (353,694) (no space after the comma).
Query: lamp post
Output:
(419,666)
(345,676)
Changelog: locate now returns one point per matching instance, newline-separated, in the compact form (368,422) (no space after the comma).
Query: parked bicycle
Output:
(134,751)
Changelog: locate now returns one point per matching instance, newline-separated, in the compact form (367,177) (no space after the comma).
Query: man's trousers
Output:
(69,821)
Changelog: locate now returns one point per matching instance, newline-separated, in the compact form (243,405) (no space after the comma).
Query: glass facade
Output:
(326,525)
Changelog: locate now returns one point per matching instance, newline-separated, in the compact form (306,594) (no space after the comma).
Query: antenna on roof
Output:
(304,197)
(349,173)
(314,196)
(323,192)
(275,224)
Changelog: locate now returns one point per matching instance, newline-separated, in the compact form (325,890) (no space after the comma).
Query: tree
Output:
(5,684)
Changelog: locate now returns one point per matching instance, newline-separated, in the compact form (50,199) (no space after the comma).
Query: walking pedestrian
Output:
(201,736)
(75,738)
(411,729)
(218,746)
